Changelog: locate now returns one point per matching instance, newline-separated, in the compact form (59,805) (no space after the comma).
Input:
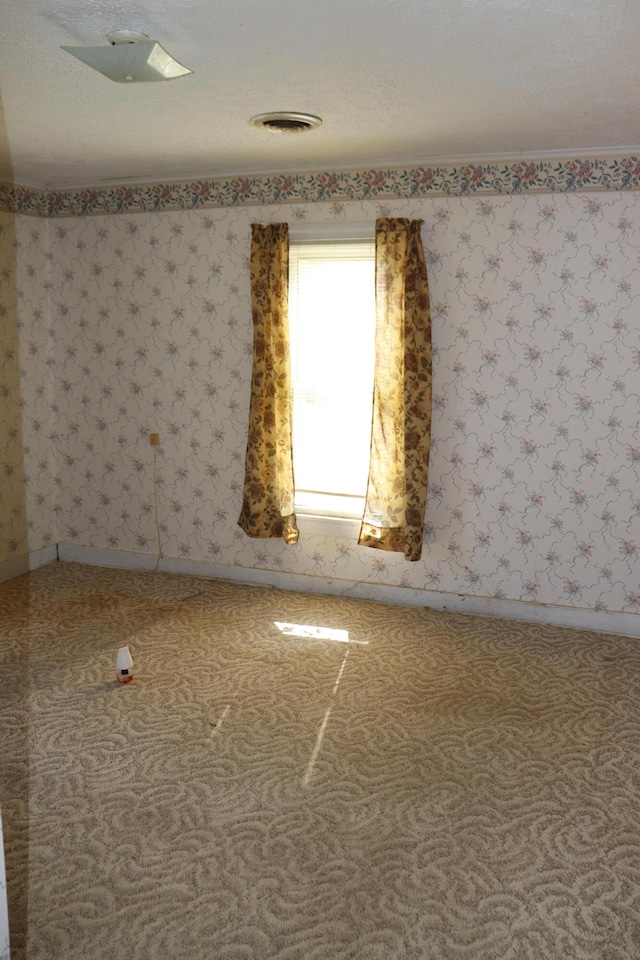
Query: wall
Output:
(26,416)
(534,490)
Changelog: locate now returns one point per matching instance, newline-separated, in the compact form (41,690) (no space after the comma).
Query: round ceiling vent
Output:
(286,122)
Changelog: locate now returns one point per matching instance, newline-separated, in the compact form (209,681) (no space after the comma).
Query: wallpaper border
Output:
(467,179)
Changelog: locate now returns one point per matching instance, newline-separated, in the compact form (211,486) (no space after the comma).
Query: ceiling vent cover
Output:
(286,122)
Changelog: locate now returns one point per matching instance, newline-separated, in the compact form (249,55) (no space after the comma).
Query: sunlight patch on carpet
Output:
(316,633)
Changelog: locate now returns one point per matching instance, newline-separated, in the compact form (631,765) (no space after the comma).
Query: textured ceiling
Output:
(396,82)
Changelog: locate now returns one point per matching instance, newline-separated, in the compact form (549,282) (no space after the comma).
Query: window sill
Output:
(340,528)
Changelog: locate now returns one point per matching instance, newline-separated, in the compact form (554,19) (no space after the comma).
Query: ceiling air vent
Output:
(286,122)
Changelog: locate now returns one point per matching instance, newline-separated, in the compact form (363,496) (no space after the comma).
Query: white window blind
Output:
(332,334)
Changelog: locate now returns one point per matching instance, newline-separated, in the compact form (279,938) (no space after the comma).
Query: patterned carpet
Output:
(415,785)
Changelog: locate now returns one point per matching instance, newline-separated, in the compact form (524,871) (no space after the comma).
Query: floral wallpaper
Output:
(534,492)
(26,382)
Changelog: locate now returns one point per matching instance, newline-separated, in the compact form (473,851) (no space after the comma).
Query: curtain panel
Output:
(268,495)
(401,420)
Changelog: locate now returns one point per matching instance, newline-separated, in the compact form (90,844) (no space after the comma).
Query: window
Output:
(332,336)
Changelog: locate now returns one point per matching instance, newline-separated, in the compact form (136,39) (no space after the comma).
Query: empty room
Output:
(319,481)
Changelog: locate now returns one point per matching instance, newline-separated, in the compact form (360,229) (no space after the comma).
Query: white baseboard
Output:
(627,624)
(28,561)
(97,557)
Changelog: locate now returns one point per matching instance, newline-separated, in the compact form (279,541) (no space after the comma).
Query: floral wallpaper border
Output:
(526,176)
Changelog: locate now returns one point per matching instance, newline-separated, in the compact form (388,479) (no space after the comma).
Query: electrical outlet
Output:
(154,439)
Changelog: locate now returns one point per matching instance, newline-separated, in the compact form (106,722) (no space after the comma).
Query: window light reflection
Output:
(316,633)
(323,725)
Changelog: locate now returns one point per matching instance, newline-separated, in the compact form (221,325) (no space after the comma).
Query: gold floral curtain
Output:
(267,507)
(401,424)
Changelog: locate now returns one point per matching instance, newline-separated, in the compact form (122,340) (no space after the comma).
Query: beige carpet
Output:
(438,787)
